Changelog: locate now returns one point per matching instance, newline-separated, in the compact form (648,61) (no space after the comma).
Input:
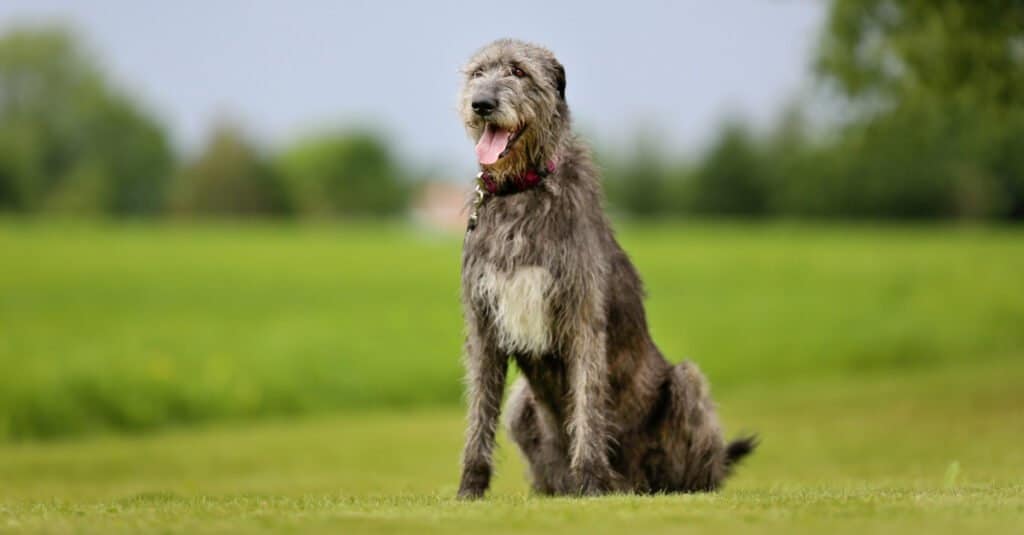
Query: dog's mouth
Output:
(495,142)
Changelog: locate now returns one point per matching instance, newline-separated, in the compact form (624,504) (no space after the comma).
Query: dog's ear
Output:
(558,73)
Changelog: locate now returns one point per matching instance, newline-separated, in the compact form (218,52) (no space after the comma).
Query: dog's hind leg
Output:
(692,437)
(532,428)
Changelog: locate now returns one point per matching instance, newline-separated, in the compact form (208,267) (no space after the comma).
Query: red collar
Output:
(531,178)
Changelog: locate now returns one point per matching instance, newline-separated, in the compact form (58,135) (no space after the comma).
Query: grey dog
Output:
(598,409)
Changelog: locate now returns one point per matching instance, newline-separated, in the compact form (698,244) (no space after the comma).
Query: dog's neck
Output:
(488,185)
(510,184)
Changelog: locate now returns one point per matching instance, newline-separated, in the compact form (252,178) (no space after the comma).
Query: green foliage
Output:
(896,167)
(915,162)
(641,183)
(934,130)
(938,51)
(230,177)
(344,174)
(135,327)
(731,179)
(935,91)
(940,85)
(69,142)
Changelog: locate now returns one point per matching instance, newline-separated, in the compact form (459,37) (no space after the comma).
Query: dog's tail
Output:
(736,450)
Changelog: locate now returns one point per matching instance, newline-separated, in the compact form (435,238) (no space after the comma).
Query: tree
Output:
(898,50)
(730,179)
(640,182)
(68,141)
(230,177)
(344,174)
(942,83)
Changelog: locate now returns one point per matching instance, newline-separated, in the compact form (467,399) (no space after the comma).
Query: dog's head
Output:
(513,105)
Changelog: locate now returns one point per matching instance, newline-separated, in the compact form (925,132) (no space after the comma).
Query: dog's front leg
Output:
(588,425)
(486,368)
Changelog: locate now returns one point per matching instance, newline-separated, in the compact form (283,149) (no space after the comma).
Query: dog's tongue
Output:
(491,144)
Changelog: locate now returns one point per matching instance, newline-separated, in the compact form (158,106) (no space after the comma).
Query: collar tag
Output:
(486,185)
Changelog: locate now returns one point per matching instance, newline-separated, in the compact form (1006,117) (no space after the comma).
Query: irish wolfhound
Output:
(597,409)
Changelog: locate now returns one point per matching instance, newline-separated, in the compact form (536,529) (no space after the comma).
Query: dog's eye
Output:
(519,73)
(477,73)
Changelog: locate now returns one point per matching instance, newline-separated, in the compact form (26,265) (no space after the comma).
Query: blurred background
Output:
(238,211)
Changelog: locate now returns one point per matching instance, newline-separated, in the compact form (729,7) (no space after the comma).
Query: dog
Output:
(597,409)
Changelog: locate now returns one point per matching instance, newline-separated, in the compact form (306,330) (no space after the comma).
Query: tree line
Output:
(71,143)
(932,95)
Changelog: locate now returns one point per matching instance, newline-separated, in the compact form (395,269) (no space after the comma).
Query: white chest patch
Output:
(519,305)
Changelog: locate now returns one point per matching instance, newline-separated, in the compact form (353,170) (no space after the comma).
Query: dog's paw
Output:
(475,481)
(471,493)
(594,480)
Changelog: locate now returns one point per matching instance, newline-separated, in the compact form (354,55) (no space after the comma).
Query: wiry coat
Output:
(545,283)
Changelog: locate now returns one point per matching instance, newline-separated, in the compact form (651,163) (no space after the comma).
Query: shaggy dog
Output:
(598,409)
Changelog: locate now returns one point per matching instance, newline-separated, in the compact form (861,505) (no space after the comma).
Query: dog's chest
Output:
(505,272)
(518,304)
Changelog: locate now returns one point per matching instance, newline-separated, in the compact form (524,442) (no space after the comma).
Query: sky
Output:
(285,69)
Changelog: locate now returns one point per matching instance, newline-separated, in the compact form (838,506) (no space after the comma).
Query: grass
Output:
(141,327)
(929,451)
(276,378)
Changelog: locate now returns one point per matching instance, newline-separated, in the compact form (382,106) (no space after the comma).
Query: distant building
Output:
(441,206)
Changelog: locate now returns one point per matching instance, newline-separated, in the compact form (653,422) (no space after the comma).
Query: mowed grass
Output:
(137,327)
(306,379)
(931,452)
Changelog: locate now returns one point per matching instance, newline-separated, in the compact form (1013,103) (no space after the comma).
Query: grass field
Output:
(139,327)
(935,452)
(277,378)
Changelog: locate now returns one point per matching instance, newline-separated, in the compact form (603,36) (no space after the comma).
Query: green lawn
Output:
(139,327)
(932,452)
(292,378)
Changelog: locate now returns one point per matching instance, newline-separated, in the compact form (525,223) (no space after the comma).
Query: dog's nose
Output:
(484,106)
